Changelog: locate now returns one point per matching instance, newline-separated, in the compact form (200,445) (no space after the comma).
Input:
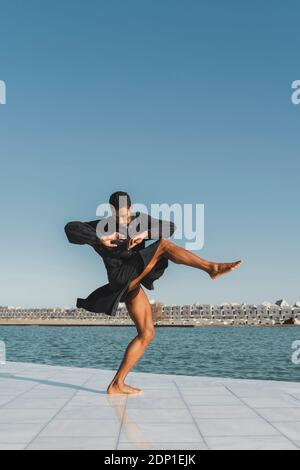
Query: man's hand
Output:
(108,240)
(137,239)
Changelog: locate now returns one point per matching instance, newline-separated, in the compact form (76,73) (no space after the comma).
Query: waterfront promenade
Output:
(51,407)
(266,314)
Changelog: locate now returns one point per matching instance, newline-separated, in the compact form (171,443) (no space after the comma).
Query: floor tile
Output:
(81,428)
(234,427)
(250,443)
(73,443)
(151,432)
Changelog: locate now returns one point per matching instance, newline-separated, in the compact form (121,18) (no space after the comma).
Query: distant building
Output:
(240,314)
(282,303)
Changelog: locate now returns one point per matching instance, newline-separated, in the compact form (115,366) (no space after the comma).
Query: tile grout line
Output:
(121,424)
(192,416)
(141,422)
(53,417)
(293,396)
(3,407)
(262,417)
(286,422)
(18,396)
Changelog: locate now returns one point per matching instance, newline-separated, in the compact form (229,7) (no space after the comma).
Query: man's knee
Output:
(165,244)
(148,334)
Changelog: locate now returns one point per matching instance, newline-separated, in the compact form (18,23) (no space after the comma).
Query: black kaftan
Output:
(122,265)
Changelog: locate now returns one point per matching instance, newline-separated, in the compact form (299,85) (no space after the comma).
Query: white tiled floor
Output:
(47,407)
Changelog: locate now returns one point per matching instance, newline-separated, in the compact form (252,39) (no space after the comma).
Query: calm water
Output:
(258,353)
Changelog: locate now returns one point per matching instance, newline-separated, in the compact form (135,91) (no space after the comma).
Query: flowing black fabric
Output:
(122,265)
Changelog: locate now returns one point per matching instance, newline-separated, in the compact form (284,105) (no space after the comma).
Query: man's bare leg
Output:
(140,312)
(180,255)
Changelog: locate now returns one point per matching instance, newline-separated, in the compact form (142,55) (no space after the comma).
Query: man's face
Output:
(123,215)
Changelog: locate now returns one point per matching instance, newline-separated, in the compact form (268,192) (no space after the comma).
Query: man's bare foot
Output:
(219,269)
(117,388)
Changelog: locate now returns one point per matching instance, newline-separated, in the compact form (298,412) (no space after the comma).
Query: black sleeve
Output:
(157,228)
(82,233)
(160,228)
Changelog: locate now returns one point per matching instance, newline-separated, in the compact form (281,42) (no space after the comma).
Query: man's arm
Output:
(82,233)
(155,228)
(94,233)
(159,228)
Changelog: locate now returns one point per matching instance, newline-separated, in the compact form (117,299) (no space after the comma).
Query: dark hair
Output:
(120,199)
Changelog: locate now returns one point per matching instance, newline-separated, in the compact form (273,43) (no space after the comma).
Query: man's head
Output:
(121,206)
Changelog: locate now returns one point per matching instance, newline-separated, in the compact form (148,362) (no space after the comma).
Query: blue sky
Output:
(173,101)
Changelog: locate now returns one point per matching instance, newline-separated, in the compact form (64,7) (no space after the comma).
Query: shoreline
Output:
(161,324)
